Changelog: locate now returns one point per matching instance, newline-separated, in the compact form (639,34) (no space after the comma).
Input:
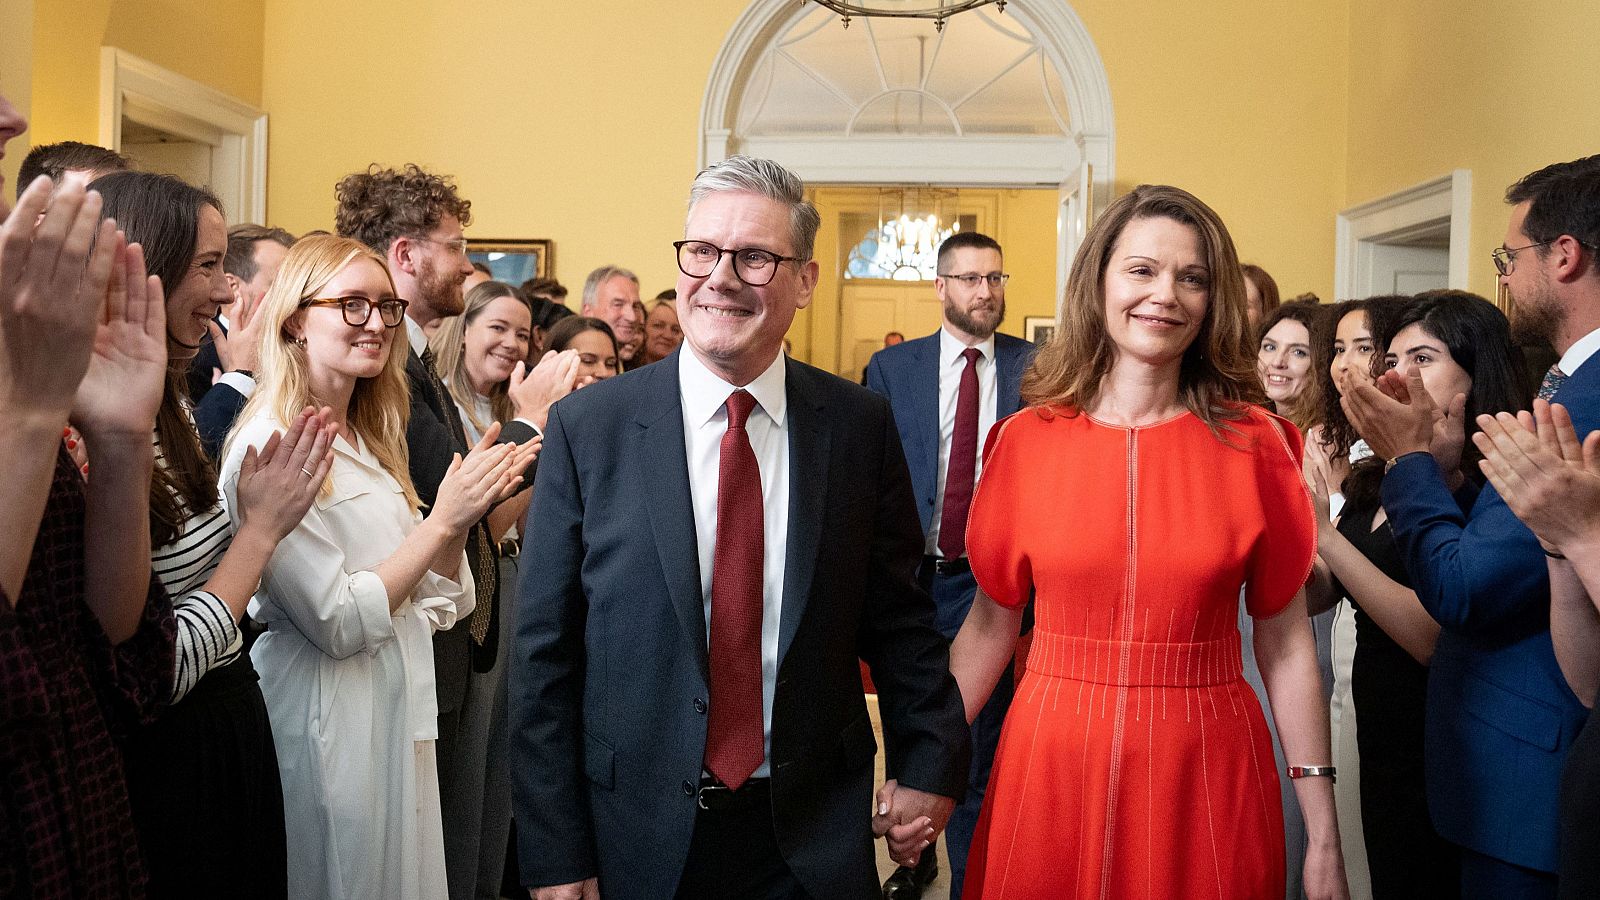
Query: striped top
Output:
(208,636)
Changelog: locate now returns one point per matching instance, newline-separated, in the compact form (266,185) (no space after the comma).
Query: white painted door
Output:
(1402,269)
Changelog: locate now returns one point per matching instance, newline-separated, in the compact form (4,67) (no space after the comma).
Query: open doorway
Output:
(178,126)
(1411,241)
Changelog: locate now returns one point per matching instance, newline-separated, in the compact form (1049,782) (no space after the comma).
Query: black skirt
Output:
(206,794)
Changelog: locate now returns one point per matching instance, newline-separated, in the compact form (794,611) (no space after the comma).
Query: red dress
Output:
(1135,761)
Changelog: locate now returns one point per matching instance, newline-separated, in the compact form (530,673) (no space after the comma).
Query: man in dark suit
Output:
(1501,717)
(416,220)
(719,537)
(947,390)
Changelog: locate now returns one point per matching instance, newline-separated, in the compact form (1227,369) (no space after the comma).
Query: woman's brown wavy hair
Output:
(1218,375)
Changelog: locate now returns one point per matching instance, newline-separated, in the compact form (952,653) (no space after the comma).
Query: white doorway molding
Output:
(140,91)
(1085,144)
(1439,205)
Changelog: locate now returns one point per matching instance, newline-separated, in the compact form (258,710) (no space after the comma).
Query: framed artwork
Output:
(1038,330)
(515,261)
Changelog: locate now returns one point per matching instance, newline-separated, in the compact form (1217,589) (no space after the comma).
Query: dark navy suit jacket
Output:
(610,683)
(908,374)
(1500,716)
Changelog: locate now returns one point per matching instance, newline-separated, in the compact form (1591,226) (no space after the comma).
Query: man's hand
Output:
(533,393)
(1395,415)
(588,889)
(1542,471)
(909,819)
(239,347)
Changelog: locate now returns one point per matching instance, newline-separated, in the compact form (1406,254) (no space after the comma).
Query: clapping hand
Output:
(240,347)
(1396,416)
(121,392)
(53,278)
(489,474)
(1547,476)
(533,393)
(909,820)
(276,485)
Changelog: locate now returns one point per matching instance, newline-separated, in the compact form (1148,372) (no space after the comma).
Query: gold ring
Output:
(307,471)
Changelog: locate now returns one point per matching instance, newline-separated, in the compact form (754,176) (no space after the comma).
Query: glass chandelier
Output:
(937,10)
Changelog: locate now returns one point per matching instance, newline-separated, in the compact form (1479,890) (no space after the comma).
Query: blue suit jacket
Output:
(610,673)
(908,374)
(1500,716)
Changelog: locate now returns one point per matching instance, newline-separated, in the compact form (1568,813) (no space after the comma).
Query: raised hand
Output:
(488,474)
(1395,415)
(121,391)
(240,346)
(909,820)
(533,393)
(277,485)
(53,280)
(1547,476)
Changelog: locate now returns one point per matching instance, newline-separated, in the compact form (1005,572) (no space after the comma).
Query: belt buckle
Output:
(700,795)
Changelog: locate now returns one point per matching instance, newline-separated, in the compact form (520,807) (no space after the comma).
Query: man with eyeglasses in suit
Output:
(947,390)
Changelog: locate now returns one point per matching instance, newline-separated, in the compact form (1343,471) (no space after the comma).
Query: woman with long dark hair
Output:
(1461,346)
(203,777)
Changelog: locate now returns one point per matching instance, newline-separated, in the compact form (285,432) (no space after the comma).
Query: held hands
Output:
(121,391)
(53,279)
(489,474)
(1549,479)
(277,485)
(533,393)
(909,819)
(588,889)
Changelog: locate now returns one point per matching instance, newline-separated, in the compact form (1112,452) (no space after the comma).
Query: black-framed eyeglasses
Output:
(357,310)
(1505,258)
(972,279)
(698,259)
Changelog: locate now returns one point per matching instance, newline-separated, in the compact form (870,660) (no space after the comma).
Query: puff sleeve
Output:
(999,561)
(1280,560)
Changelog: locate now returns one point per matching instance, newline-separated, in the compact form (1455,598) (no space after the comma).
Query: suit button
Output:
(699,705)
(688,789)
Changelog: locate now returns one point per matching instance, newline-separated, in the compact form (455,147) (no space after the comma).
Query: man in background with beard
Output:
(947,390)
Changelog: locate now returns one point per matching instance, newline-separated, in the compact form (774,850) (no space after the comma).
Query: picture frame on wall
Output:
(1038,330)
(515,261)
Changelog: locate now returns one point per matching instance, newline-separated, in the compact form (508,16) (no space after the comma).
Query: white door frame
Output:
(154,96)
(1400,215)
(991,161)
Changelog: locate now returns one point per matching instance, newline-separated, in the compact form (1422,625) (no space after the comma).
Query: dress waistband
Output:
(1136,663)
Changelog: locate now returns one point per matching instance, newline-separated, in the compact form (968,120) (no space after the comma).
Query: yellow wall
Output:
(16,80)
(215,42)
(1496,90)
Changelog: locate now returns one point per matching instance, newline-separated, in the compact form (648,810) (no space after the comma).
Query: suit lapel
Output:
(808,489)
(924,391)
(658,451)
(1012,360)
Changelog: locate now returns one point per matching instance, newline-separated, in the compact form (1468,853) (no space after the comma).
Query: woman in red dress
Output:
(1131,500)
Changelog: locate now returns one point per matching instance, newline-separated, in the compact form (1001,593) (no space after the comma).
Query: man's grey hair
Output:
(591,285)
(767,179)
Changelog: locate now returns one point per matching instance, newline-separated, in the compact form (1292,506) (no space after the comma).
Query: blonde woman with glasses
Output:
(353,595)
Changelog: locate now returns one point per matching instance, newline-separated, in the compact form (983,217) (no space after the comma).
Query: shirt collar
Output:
(1579,352)
(704,392)
(950,348)
(416,336)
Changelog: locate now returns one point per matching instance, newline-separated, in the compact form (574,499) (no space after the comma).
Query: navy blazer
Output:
(1500,716)
(908,374)
(610,673)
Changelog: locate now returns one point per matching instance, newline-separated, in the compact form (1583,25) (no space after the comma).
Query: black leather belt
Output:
(714,796)
(942,566)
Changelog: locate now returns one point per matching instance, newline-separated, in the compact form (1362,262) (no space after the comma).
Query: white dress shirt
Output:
(1578,353)
(705,420)
(951,366)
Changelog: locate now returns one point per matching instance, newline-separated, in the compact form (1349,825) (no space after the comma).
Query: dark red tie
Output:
(734,745)
(961,472)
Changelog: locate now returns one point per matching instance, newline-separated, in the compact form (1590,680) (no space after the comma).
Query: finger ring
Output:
(307,471)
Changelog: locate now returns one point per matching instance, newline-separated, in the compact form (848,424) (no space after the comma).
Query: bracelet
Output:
(1314,772)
